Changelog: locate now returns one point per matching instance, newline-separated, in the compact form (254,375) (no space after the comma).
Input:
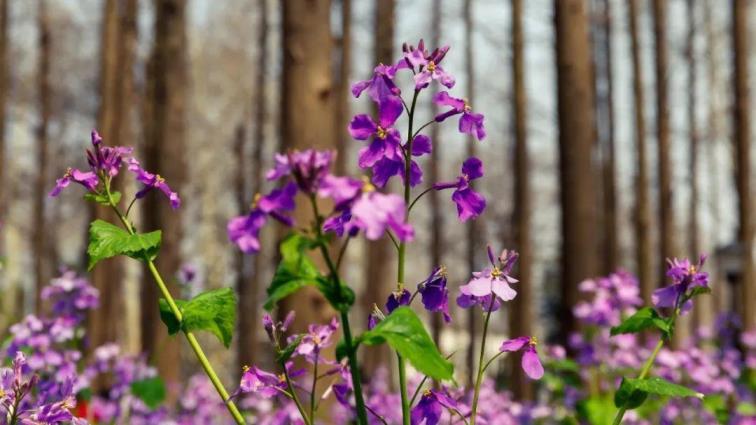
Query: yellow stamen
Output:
(381,132)
(442,271)
(533,341)
(282,378)
(431,66)
(255,200)
(468,108)
(245,369)
(366,185)
(496,273)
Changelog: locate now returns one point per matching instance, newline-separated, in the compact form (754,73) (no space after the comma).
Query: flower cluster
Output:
(105,163)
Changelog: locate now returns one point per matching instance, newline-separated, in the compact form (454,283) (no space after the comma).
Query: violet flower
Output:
(398,298)
(106,159)
(430,407)
(685,276)
(470,204)
(377,213)
(152,181)
(469,123)
(308,167)
(427,64)
(531,364)
(244,230)
(380,86)
(386,167)
(260,382)
(316,338)
(386,140)
(435,294)
(87,179)
(494,280)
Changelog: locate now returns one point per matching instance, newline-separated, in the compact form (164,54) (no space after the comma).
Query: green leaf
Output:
(213,311)
(717,405)
(107,240)
(151,391)
(632,392)
(645,318)
(405,333)
(699,290)
(286,353)
(102,198)
(167,316)
(597,410)
(295,271)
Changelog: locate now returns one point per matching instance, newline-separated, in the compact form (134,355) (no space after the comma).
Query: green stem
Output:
(481,366)
(313,389)
(403,391)
(647,366)
(354,367)
(206,366)
(294,396)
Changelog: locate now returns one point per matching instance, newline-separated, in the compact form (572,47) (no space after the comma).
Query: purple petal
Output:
(531,364)
(421,145)
(362,127)
(472,168)
(470,204)
(389,110)
(514,344)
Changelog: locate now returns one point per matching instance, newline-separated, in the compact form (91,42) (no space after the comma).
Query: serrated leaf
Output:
(107,240)
(213,311)
(633,392)
(643,319)
(405,333)
(102,199)
(151,391)
(296,270)
(286,353)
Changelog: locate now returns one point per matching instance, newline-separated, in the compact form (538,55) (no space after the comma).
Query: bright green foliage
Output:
(151,391)
(633,392)
(213,311)
(102,199)
(643,319)
(107,240)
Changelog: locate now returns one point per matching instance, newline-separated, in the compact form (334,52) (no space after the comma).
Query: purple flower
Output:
(258,381)
(468,301)
(495,279)
(244,230)
(427,64)
(386,141)
(87,179)
(342,190)
(316,338)
(430,407)
(434,293)
(685,276)
(469,123)
(377,213)
(380,86)
(386,168)
(152,181)
(106,159)
(308,167)
(470,204)
(530,362)
(398,298)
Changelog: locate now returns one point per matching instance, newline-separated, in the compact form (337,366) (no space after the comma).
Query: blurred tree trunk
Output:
(248,277)
(520,315)
(576,134)
(743,144)
(642,217)
(117,51)
(44,93)
(4,74)
(474,227)
(437,218)
(344,95)
(307,117)
(694,249)
(668,243)
(164,153)
(378,280)
(610,222)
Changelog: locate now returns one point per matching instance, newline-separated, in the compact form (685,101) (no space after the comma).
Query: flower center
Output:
(442,271)
(467,106)
(159,179)
(69,172)
(431,66)
(692,269)
(245,369)
(256,200)
(381,132)
(496,273)
(316,340)
(366,185)
(533,341)
(282,378)
(427,393)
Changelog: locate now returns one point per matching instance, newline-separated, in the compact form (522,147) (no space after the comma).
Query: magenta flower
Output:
(260,382)
(342,190)
(377,213)
(495,279)
(380,85)
(316,338)
(469,123)
(244,230)
(386,141)
(152,181)
(531,364)
(685,276)
(427,65)
(430,407)
(470,204)
(106,159)
(308,167)
(87,179)
(386,168)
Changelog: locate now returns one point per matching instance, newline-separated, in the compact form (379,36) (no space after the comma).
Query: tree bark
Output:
(248,284)
(520,316)
(44,93)
(576,135)
(742,136)
(642,217)
(4,73)
(694,249)
(378,282)
(344,95)
(164,153)
(117,50)
(668,243)
(437,218)
(307,116)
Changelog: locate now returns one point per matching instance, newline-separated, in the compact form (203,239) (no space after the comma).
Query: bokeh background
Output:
(616,146)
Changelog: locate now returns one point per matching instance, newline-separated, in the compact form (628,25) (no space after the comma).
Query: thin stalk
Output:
(417,198)
(403,390)
(294,395)
(354,367)
(481,366)
(199,353)
(646,367)
(314,384)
